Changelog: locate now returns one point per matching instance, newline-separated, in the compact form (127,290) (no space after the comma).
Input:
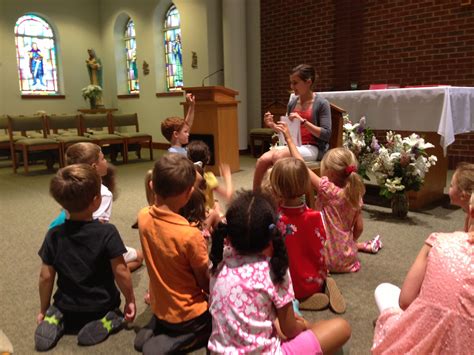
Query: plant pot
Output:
(93,103)
(399,204)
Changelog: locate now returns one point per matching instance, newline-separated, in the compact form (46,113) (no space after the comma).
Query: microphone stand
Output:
(208,76)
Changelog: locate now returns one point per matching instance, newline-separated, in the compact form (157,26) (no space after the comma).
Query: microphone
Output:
(208,76)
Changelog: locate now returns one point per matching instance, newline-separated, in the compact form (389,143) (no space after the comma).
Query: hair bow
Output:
(350,169)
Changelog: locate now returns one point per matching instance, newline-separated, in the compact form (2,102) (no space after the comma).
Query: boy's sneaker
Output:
(50,330)
(316,302)
(145,334)
(98,330)
(167,344)
(336,300)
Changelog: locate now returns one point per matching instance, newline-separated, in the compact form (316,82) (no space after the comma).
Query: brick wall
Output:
(405,42)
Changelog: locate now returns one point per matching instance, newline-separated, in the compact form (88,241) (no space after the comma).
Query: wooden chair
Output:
(264,135)
(132,138)
(27,145)
(99,130)
(337,122)
(66,130)
(5,138)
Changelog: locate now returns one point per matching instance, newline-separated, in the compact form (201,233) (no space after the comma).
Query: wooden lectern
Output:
(215,117)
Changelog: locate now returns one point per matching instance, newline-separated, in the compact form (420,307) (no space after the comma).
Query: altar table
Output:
(437,113)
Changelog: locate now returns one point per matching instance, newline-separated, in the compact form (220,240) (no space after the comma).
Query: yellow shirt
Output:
(174,253)
(211,184)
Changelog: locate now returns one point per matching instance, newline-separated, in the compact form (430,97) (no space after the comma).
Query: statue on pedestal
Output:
(94,67)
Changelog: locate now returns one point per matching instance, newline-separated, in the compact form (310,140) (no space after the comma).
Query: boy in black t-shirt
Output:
(87,256)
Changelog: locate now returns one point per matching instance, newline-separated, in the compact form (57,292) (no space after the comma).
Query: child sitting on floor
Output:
(434,310)
(90,153)
(461,187)
(340,191)
(305,236)
(176,130)
(177,263)
(251,292)
(88,257)
(198,151)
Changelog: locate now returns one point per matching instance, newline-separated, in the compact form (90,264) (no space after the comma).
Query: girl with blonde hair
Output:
(305,236)
(340,190)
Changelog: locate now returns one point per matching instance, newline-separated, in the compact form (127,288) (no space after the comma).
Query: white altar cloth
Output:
(447,110)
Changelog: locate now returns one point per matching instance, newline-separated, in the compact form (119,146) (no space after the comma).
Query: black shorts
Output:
(182,337)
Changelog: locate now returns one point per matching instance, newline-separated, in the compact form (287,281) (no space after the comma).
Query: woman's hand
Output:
(296,116)
(268,120)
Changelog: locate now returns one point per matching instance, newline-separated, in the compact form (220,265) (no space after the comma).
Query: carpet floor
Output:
(26,209)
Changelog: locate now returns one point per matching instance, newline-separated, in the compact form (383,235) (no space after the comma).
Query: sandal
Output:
(336,300)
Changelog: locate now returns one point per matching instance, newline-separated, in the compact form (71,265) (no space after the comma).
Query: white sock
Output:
(386,296)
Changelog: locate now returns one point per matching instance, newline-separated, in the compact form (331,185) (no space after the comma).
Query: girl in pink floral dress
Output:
(251,292)
(340,191)
(433,313)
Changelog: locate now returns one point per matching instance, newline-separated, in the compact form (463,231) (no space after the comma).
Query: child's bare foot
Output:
(146,298)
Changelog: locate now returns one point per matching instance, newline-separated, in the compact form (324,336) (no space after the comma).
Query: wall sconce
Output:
(146,68)
(194,62)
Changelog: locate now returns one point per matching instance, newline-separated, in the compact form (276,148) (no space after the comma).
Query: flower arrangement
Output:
(361,140)
(402,164)
(399,166)
(91,92)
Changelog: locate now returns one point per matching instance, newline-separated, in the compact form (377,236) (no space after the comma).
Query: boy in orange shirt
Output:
(176,258)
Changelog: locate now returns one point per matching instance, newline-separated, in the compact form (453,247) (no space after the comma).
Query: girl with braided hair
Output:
(251,293)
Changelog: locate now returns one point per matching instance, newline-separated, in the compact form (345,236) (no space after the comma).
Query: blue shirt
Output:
(60,219)
(178,150)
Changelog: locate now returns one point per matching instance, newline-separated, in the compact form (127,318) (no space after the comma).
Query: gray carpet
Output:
(26,210)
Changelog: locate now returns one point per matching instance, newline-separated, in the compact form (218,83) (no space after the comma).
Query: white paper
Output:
(295,131)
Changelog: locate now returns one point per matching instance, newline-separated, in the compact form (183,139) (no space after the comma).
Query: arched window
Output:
(36,56)
(131,57)
(173,50)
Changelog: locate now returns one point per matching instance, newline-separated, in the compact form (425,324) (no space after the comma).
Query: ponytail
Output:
(217,247)
(279,260)
(344,164)
(354,189)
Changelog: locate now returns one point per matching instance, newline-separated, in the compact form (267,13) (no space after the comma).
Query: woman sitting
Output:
(314,114)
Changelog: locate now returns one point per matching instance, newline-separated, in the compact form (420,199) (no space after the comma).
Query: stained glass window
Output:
(173,50)
(131,58)
(36,56)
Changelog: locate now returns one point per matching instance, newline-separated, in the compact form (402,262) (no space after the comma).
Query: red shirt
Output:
(306,137)
(305,236)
